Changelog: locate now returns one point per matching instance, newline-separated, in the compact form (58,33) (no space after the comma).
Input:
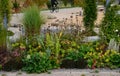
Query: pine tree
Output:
(90,14)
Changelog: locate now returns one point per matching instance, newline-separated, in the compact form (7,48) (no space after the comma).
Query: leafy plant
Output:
(49,4)
(79,3)
(15,4)
(115,60)
(36,63)
(65,2)
(110,26)
(53,44)
(39,2)
(91,57)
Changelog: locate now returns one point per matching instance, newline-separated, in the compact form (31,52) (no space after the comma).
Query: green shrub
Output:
(36,63)
(110,27)
(115,60)
(65,2)
(90,14)
(32,21)
(101,59)
(49,4)
(78,53)
(10,33)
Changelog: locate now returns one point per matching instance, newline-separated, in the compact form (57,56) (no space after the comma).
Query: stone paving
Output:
(68,72)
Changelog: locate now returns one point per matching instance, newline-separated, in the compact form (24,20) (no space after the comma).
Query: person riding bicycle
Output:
(54,4)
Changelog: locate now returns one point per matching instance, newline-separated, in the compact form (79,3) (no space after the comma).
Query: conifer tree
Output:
(90,14)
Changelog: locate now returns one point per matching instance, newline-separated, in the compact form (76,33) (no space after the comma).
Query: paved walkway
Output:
(68,72)
(63,14)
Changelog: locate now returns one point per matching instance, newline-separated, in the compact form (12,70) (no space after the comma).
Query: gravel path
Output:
(61,15)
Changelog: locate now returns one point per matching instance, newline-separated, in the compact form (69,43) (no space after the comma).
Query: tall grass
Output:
(32,20)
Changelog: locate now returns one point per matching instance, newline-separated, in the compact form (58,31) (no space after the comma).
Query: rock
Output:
(96,30)
(91,39)
(51,17)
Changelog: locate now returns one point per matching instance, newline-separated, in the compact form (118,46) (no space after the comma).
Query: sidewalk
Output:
(68,72)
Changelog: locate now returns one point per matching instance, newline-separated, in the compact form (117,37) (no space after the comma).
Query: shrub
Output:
(75,57)
(90,14)
(79,3)
(65,2)
(110,28)
(32,21)
(115,60)
(39,2)
(100,59)
(36,63)
(49,5)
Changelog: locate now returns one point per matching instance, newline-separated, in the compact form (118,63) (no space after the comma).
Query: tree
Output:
(90,14)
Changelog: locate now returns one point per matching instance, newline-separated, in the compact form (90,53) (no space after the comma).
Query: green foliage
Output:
(65,2)
(71,2)
(36,63)
(115,60)
(110,26)
(16,5)
(32,21)
(2,35)
(0,67)
(5,9)
(91,56)
(49,4)
(100,59)
(78,53)
(53,44)
(10,33)
(39,2)
(80,3)
(90,14)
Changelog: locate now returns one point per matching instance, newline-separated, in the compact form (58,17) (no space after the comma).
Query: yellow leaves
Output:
(61,33)
(97,49)
(107,60)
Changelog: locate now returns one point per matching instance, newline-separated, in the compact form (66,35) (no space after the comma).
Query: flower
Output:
(28,57)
